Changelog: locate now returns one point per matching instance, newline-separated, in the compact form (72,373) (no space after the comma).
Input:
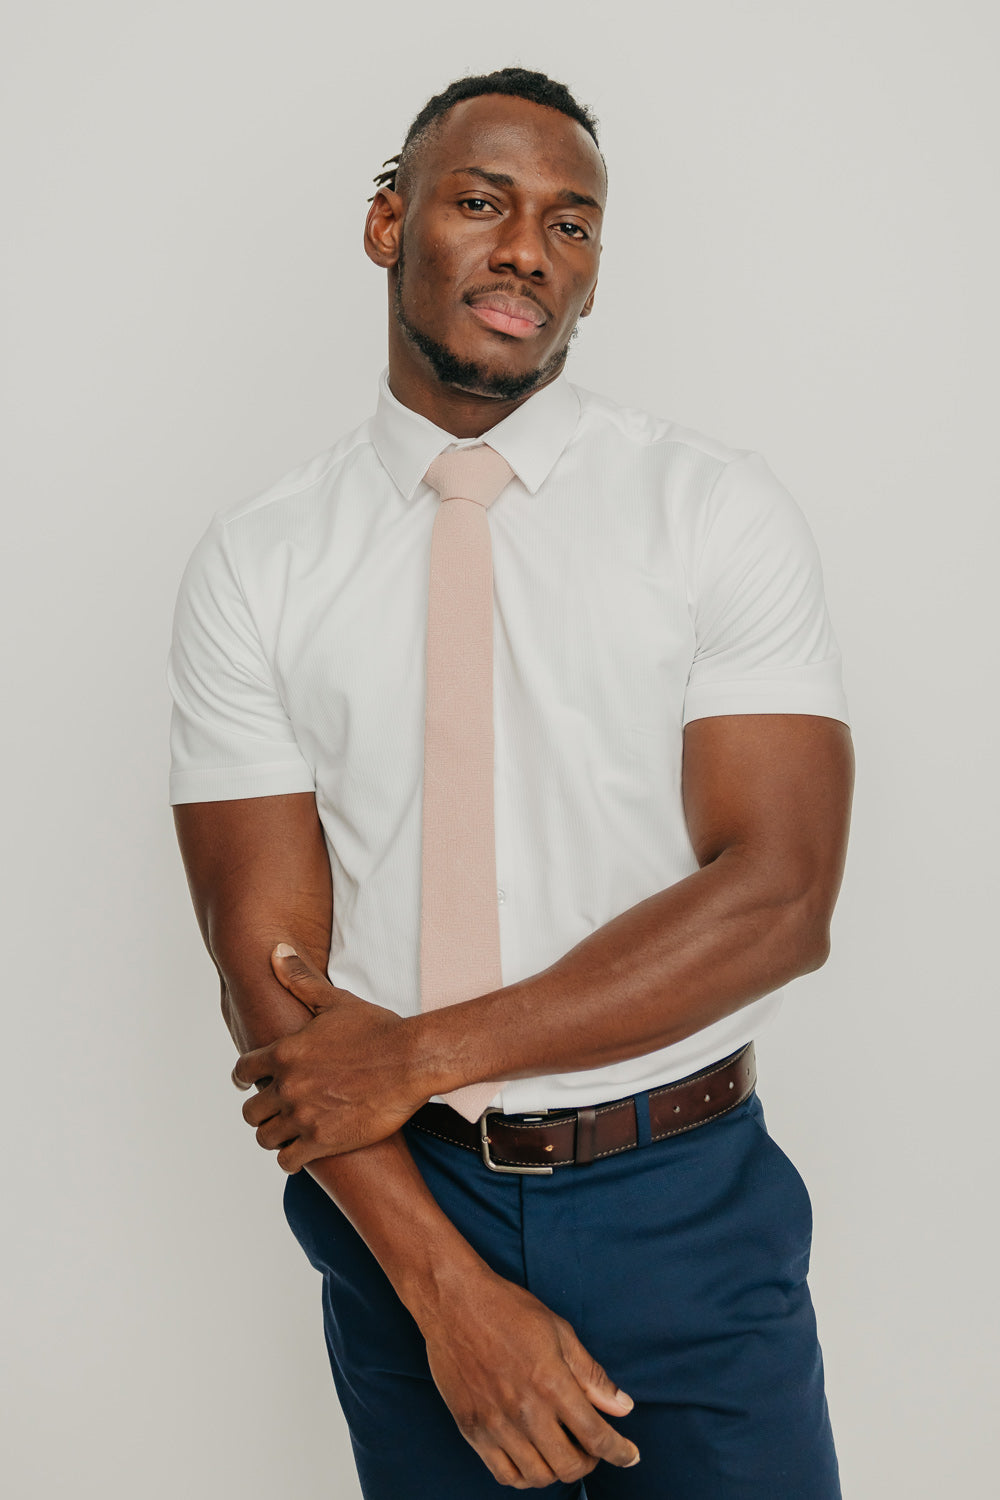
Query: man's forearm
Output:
(381,1191)
(667,967)
(378,1188)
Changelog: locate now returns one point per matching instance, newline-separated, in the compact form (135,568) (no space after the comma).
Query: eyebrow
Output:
(502,180)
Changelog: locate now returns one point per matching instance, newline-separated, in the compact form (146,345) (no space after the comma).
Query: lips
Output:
(515,316)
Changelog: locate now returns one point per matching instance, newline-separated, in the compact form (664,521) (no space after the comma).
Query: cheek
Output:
(431,271)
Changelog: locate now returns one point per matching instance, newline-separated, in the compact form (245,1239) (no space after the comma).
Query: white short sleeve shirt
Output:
(644,576)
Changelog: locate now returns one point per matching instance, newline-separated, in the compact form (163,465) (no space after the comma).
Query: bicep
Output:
(258,872)
(774,790)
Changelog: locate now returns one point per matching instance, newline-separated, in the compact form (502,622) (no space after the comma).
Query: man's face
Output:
(500,244)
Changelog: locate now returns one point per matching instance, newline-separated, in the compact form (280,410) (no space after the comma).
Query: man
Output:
(667,780)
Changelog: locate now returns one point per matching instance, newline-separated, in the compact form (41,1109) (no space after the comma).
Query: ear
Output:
(384,227)
(588,306)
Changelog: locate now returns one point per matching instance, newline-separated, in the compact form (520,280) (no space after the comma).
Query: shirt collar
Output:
(531,439)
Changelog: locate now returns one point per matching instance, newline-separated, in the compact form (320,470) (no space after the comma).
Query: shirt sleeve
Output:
(229,735)
(764,642)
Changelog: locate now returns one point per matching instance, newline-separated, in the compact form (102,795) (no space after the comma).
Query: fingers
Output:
(541,1454)
(276,1131)
(529,1460)
(593,1379)
(595,1437)
(261,1106)
(596,1389)
(554,1434)
(549,1454)
(528,1468)
(301,979)
(238,1081)
(252,1067)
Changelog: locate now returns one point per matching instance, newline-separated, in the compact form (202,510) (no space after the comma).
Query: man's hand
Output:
(338,1084)
(521,1387)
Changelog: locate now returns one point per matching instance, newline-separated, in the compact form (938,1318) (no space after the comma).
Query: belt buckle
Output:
(494,1166)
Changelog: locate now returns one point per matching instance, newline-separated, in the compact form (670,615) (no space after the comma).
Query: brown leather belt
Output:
(536,1143)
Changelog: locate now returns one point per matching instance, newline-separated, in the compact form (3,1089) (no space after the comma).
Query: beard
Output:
(470,374)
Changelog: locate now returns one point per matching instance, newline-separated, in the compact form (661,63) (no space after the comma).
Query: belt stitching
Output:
(663,1135)
(669,1088)
(680,1129)
(450,1140)
(617,1104)
(568,1161)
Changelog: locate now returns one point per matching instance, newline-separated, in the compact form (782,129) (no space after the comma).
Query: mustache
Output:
(507,289)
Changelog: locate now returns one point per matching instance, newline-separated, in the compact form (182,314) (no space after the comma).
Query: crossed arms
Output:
(767,801)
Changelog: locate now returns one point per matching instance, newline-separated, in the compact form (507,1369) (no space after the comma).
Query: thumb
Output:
(598,1387)
(299,976)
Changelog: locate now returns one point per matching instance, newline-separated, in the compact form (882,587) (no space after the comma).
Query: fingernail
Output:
(633,1463)
(628,1402)
(284,950)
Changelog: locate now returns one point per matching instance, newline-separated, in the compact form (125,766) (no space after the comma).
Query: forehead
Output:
(527,141)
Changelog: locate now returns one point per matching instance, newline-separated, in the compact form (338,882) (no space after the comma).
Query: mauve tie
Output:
(459,921)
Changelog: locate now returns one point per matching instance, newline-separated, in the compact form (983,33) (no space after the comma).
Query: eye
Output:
(574,231)
(476,204)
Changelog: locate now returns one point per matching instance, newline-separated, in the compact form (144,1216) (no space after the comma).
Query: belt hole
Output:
(677,1109)
(731,1084)
(707,1097)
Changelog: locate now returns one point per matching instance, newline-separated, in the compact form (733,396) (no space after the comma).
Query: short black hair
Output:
(520,83)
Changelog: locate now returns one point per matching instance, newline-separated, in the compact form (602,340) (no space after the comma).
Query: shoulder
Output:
(242,536)
(313,482)
(698,477)
(632,427)
(691,470)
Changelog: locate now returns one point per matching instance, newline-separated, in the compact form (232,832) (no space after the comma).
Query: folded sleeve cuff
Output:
(813,689)
(227,784)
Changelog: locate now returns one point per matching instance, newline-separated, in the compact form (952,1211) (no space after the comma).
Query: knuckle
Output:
(576,1468)
(283,1089)
(550,1385)
(526,1414)
(469,1426)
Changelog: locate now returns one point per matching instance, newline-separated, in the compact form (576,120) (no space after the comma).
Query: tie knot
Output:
(477,474)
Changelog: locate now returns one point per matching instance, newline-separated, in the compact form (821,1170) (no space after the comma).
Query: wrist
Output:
(456,1045)
(435,1049)
(433,1290)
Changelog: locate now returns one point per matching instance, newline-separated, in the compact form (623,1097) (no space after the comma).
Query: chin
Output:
(492,378)
(482,376)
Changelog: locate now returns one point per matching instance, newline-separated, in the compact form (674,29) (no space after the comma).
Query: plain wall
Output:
(801,258)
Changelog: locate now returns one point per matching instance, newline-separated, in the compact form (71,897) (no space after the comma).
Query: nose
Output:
(521,249)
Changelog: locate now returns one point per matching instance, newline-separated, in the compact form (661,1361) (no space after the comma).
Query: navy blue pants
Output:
(682,1268)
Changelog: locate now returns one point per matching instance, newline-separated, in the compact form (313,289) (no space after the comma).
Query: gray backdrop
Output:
(801,258)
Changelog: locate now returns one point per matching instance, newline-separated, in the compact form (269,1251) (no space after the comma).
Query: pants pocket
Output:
(785,1175)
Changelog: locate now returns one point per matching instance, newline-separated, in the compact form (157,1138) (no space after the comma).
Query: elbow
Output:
(815,949)
(805,936)
(799,915)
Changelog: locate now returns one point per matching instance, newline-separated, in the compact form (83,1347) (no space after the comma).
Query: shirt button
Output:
(501,895)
